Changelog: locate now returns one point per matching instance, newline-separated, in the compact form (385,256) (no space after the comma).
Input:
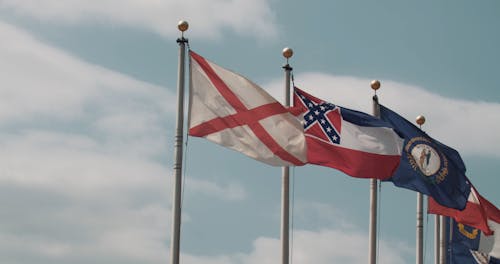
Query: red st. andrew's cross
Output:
(243,116)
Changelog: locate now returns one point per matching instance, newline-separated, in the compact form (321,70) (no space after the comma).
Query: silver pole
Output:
(420,120)
(372,233)
(285,179)
(285,214)
(437,228)
(420,229)
(442,240)
(372,251)
(179,132)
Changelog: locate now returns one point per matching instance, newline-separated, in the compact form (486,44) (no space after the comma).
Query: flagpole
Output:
(437,228)
(372,246)
(420,229)
(285,179)
(442,239)
(420,120)
(179,132)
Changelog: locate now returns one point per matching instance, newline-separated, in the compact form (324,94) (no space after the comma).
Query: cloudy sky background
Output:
(87,113)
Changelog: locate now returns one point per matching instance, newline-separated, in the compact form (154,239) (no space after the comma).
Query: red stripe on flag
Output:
(219,84)
(239,119)
(270,143)
(474,214)
(352,162)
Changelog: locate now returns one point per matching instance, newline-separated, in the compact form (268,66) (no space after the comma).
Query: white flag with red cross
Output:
(230,110)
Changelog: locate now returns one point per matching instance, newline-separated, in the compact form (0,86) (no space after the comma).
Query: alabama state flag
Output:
(230,110)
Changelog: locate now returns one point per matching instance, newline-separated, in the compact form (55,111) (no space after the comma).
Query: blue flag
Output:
(428,166)
(469,245)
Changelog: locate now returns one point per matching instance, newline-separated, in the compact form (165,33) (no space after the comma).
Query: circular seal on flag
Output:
(427,159)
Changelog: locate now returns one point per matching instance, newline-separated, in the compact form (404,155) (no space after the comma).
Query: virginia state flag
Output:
(428,166)
(356,143)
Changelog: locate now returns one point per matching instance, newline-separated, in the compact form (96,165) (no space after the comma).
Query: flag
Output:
(471,245)
(460,254)
(356,143)
(476,213)
(428,166)
(230,110)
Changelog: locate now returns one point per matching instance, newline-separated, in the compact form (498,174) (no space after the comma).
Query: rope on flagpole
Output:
(186,136)
(184,165)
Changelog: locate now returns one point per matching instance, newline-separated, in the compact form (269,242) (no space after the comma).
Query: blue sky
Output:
(87,113)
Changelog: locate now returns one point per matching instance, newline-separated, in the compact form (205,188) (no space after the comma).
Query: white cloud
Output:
(87,232)
(83,176)
(208,18)
(471,127)
(45,82)
(93,137)
(72,126)
(230,191)
(320,215)
(319,247)
(341,242)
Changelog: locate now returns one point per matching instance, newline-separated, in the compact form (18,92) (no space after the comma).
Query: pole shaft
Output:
(442,239)
(285,187)
(372,246)
(437,230)
(372,250)
(285,215)
(420,229)
(179,133)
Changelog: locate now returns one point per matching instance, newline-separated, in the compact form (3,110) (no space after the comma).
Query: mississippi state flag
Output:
(353,142)
(228,109)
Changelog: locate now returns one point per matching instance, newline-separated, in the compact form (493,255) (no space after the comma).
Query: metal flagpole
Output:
(285,184)
(442,239)
(420,120)
(179,131)
(437,228)
(372,246)
(420,229)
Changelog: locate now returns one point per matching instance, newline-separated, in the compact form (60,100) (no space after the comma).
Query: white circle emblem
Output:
(427,159)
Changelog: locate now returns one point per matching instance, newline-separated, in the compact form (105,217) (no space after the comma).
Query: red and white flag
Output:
(356,143)
(478,211)
(230,110)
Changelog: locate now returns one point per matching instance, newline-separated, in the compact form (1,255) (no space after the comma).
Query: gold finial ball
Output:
(375,84)
(287,52)
(420,120)
(183,25)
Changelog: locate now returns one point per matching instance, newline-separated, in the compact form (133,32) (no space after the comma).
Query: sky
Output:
(87,119)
